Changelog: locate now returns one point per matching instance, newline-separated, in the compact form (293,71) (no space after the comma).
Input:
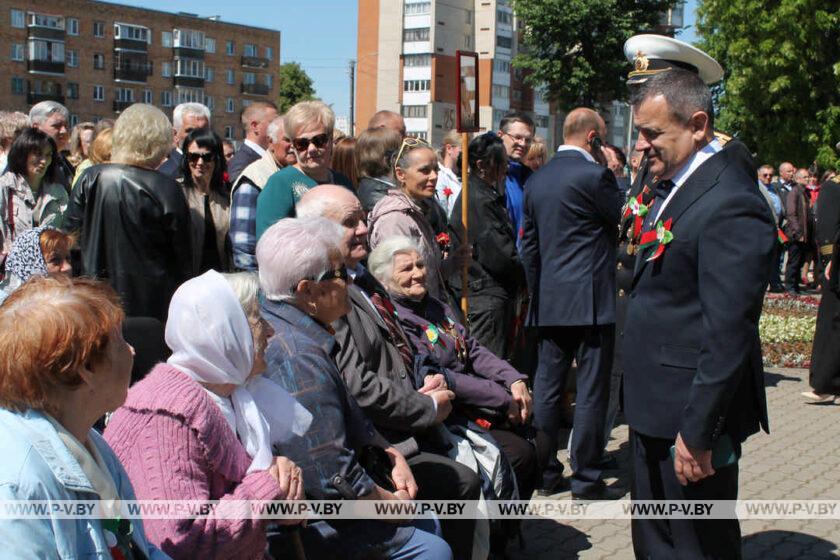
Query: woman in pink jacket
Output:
(198,427)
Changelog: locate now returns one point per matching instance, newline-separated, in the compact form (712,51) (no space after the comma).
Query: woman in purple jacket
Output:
(488,390)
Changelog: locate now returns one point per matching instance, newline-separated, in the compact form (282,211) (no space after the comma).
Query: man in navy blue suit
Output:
(571,214)
(693,385)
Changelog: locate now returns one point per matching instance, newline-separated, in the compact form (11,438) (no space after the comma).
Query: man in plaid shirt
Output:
(243,215)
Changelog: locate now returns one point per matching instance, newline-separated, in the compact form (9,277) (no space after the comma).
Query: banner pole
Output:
(465,202)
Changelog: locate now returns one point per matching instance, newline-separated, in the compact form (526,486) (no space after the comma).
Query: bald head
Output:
(802,176)
(786,171)
(388,119)
(581,125)
(340,205)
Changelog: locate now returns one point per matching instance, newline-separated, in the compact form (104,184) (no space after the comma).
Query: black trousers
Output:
(490,321)
(796,258)
(441,478)
(592,348)
(680,539)
(522,456)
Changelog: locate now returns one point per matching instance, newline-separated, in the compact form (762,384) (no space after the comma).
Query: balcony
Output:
(33,97)
(49,33)
(188,52)
(122,105)
(255,89)
(255,62)
(131,73)
(130,45)
(45,66)
(188,81)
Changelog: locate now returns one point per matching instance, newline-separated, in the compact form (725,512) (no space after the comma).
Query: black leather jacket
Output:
(134,232)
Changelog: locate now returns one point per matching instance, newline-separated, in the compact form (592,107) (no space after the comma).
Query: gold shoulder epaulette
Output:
(722,138)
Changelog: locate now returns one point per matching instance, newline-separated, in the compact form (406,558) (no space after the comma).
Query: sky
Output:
(318,34)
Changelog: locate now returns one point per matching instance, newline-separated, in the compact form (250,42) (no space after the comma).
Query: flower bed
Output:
(787,327)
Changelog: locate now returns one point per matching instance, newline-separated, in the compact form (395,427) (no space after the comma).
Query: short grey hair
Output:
(294,249)
(275,127)
(11,122)
(183,109)
(42,111)
(381,259)
(246,286)
(684,92)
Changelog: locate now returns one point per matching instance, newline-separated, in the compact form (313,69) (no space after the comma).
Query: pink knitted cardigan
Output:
(175,444)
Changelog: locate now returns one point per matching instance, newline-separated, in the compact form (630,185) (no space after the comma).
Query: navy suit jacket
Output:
(692,354)
(172,166)
(570,225)
(243,157)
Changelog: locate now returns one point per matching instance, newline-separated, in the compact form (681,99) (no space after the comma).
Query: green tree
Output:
(574,48)
(295,85)
(781,90)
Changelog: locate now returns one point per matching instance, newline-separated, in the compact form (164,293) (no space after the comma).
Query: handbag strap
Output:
(10,207)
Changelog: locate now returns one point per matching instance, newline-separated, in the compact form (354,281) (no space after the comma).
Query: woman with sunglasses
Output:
(310,125)
(405,210)
(207,194)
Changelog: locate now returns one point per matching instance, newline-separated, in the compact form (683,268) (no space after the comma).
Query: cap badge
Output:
(641,62)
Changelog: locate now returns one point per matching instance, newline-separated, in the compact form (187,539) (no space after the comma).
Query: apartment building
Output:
(98,58)
(406,63)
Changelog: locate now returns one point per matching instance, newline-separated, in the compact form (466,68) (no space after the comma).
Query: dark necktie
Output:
(386,311)
(660,193)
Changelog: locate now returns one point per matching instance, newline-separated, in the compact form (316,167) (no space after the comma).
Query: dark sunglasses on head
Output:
(340,272)
(193,157)
(320,141)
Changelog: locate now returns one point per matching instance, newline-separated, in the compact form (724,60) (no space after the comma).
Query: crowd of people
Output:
(282,321)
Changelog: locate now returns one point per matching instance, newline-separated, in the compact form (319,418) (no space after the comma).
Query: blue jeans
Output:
(425,543)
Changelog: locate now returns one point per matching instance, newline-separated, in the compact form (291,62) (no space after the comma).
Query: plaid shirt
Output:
(243,226)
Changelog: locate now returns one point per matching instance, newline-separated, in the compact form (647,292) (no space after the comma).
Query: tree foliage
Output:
(574,48)
(295,85)
(781,90)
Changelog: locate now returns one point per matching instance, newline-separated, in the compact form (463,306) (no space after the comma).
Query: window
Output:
(74,120)
(18,87)
(124,95)
(414,111)
(414,60)
(166,38)
(249,78)
(166,98)
(417,8)
(189,67)
(189,95)
(73,58)
(210,103)
(98,61)
(246,103)
(98,28)
(228,133)
(188,38)
(417,34)
(229,105)
(417,85)
(250,50)
(516,95)
(209,74)
(17,52)
(467,41)
(209,45)
(72,26)
(133,32)
(229,48)
(147,96)
(98,93)
(46,51)
(268,80)
(166,69)
(504,42)
(72,90)
(18,20)
(43,20)
(541,121)
(501,66)
(501,91)
(229,76)
(504,18)
(269,53)
(421,134)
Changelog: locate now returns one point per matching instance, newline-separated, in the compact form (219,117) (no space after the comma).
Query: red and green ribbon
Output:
(637,208)
(781,235)
(658,237)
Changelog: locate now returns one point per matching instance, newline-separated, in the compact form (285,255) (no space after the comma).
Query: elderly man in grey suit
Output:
(376,361)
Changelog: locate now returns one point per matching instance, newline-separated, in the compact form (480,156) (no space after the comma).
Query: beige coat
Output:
(29,209)
(220,208)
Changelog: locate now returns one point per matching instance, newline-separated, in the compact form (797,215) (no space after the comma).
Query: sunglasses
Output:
(193,157)
(302,144)
(340,272)
(410,143)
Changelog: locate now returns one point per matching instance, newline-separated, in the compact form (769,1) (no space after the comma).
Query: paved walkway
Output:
(800,460)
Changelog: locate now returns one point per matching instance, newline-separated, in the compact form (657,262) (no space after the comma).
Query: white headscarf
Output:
(211,342)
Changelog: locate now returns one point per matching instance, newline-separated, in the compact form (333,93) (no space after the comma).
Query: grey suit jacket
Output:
(376,376)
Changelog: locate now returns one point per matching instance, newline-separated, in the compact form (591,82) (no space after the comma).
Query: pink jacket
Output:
(175,445)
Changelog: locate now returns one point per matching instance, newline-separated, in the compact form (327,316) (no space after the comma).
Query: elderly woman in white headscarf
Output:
(202,425)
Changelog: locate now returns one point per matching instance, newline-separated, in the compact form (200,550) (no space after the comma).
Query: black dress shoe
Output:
(600,494)
(608,463)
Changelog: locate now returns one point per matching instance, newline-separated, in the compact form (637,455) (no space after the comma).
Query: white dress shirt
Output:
(681,176)
(586,154)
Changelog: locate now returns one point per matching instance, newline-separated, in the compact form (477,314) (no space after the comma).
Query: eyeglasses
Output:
(523,139)
(320,141)
(340,272)
(193,157)
(410,143)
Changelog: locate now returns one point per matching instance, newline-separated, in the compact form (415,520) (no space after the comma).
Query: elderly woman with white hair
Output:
(304,281)
(133,222)
(309,125)
(489,392)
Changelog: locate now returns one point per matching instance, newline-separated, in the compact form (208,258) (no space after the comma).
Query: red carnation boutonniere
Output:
(447,192)
(658,237)
(443,241)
